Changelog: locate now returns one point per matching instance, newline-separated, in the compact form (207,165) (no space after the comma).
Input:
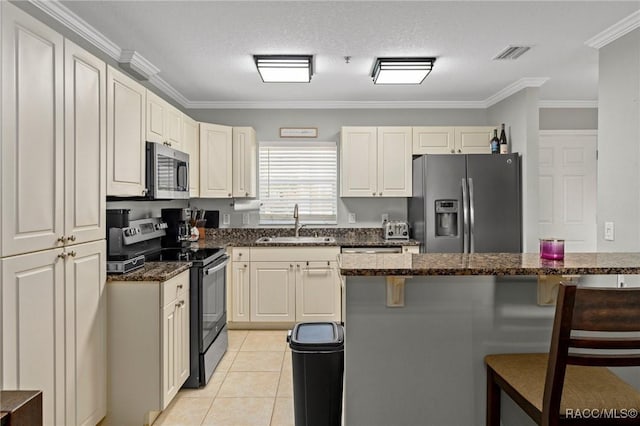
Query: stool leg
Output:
(493,400)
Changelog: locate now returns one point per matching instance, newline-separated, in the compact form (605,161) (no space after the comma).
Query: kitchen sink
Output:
(296,240)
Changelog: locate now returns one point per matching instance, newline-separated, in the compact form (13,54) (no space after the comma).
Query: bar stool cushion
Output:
(585,388)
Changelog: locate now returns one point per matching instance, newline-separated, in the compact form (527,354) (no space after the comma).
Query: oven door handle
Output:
(217,267)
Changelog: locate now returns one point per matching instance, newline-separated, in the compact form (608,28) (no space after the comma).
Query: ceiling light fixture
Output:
(401,70)
(284,68)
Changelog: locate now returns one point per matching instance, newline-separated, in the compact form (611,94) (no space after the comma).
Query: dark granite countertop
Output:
(344,237)
(152,272)
(487,264)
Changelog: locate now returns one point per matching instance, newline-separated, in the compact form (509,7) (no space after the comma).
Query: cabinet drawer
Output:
(240,254)
(175,287)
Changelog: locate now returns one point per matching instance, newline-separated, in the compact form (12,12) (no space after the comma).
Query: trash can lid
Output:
(317,336)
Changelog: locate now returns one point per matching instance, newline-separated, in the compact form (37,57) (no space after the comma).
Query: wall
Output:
(267,123)
(568,118)
(520,113)
(619,143)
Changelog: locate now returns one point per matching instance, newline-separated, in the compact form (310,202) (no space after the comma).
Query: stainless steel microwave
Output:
(167,172)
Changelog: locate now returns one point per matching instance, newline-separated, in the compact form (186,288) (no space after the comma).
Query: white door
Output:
(85,145)
(170,328)
(318,292)
(473,139)
(394,161)
(33,352)
(215,161)
(86,331)
(433,140)
(567,185)
(126,106)
(244,162)
(358,162)
(173,128)
(31,156)
(273,291)
(240,291)
(191,145)
(183,341)
(156,115)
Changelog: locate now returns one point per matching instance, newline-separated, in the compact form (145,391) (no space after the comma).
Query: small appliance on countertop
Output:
(395,230)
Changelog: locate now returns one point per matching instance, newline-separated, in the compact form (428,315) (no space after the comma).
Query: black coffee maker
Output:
(178,228)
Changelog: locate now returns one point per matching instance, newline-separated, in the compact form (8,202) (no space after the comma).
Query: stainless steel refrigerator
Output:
(467,203)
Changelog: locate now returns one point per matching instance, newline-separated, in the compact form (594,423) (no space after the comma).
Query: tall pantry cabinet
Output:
(52,229)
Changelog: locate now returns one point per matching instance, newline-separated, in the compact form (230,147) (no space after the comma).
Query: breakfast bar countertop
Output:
(407,264)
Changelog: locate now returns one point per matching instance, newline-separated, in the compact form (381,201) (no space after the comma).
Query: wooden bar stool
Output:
(571,384)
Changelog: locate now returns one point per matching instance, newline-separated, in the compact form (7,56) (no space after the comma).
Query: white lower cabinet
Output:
(148,347)
(54,330)
(278,284)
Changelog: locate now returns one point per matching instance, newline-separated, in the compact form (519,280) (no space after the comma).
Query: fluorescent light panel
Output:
(284,68)
(401,70)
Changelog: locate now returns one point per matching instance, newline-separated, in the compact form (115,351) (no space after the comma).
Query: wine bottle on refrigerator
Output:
(504,147)
(495,142)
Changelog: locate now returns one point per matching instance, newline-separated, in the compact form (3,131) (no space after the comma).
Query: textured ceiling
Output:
(204,48)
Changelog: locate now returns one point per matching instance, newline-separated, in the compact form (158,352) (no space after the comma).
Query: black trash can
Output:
(318,365)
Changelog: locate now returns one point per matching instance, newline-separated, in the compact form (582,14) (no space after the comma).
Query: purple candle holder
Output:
(552,248)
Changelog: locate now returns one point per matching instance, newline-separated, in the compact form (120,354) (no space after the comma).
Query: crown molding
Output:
(138,63)
(169,90)
(615,31)
(568,104)
(336,105)
(514,88)
(62,14)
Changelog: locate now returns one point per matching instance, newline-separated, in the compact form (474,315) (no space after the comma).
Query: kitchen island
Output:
(419,361)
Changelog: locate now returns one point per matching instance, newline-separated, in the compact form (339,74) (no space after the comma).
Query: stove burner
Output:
(203,256)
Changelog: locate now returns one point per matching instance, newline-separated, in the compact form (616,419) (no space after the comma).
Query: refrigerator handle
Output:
(465,217)
(472,217)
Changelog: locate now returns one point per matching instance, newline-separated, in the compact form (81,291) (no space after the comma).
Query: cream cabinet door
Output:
(244,162)
(191,145)
(86,333)
(273,291)
(31,156)
(433,140)
(473,140)
(215,161)
(85,148)
(126,106)
(318,293)
(183,341)
(239,294)
(33,343)
(394,161)
(155,120)
(173,128)
(358,162)
(170,345)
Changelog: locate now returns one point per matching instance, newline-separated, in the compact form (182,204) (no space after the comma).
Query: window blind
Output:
(303,173)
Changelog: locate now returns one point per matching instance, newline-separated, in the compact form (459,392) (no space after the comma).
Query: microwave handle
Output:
(182,176)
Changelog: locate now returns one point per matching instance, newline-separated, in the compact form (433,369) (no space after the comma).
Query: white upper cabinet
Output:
(85,145)
(452,140)
(191,145)
(126,106)
(375,162)
(394,162)
(164,122)
(32,134)
(216,161)
(244,162)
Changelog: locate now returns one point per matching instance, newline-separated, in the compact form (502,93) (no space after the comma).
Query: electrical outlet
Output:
(226,218)
(245,218)
(352,218)
(609,234)
(385,217)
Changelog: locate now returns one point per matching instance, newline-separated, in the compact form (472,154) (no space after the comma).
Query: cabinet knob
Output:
(72,253)
(245,265)
(328,263)
(239,254)
(62,239)
(71,238)
(373,193)
(459,151)
(453,151)
(179,286)
(246,194)
(290,266)
(380,193)
(144,191)
(63,255)
(229,195)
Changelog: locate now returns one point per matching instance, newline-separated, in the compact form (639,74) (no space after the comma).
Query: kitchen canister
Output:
(552,248)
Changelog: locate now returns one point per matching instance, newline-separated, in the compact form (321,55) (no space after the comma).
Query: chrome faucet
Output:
(296,224)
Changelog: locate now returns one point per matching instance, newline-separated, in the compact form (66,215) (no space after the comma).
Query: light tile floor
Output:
(251,386)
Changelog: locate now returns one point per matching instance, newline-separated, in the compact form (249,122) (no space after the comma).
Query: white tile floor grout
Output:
(251,386)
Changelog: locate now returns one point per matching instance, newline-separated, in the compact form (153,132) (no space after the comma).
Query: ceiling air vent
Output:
(511,52)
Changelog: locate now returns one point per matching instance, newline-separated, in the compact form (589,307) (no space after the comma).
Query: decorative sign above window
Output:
(298,132)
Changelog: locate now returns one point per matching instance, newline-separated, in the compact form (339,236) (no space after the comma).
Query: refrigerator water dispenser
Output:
(446,218)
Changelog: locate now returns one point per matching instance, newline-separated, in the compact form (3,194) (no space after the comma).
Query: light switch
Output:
(226,218)
(609,231)
(245,218)
(352,218)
